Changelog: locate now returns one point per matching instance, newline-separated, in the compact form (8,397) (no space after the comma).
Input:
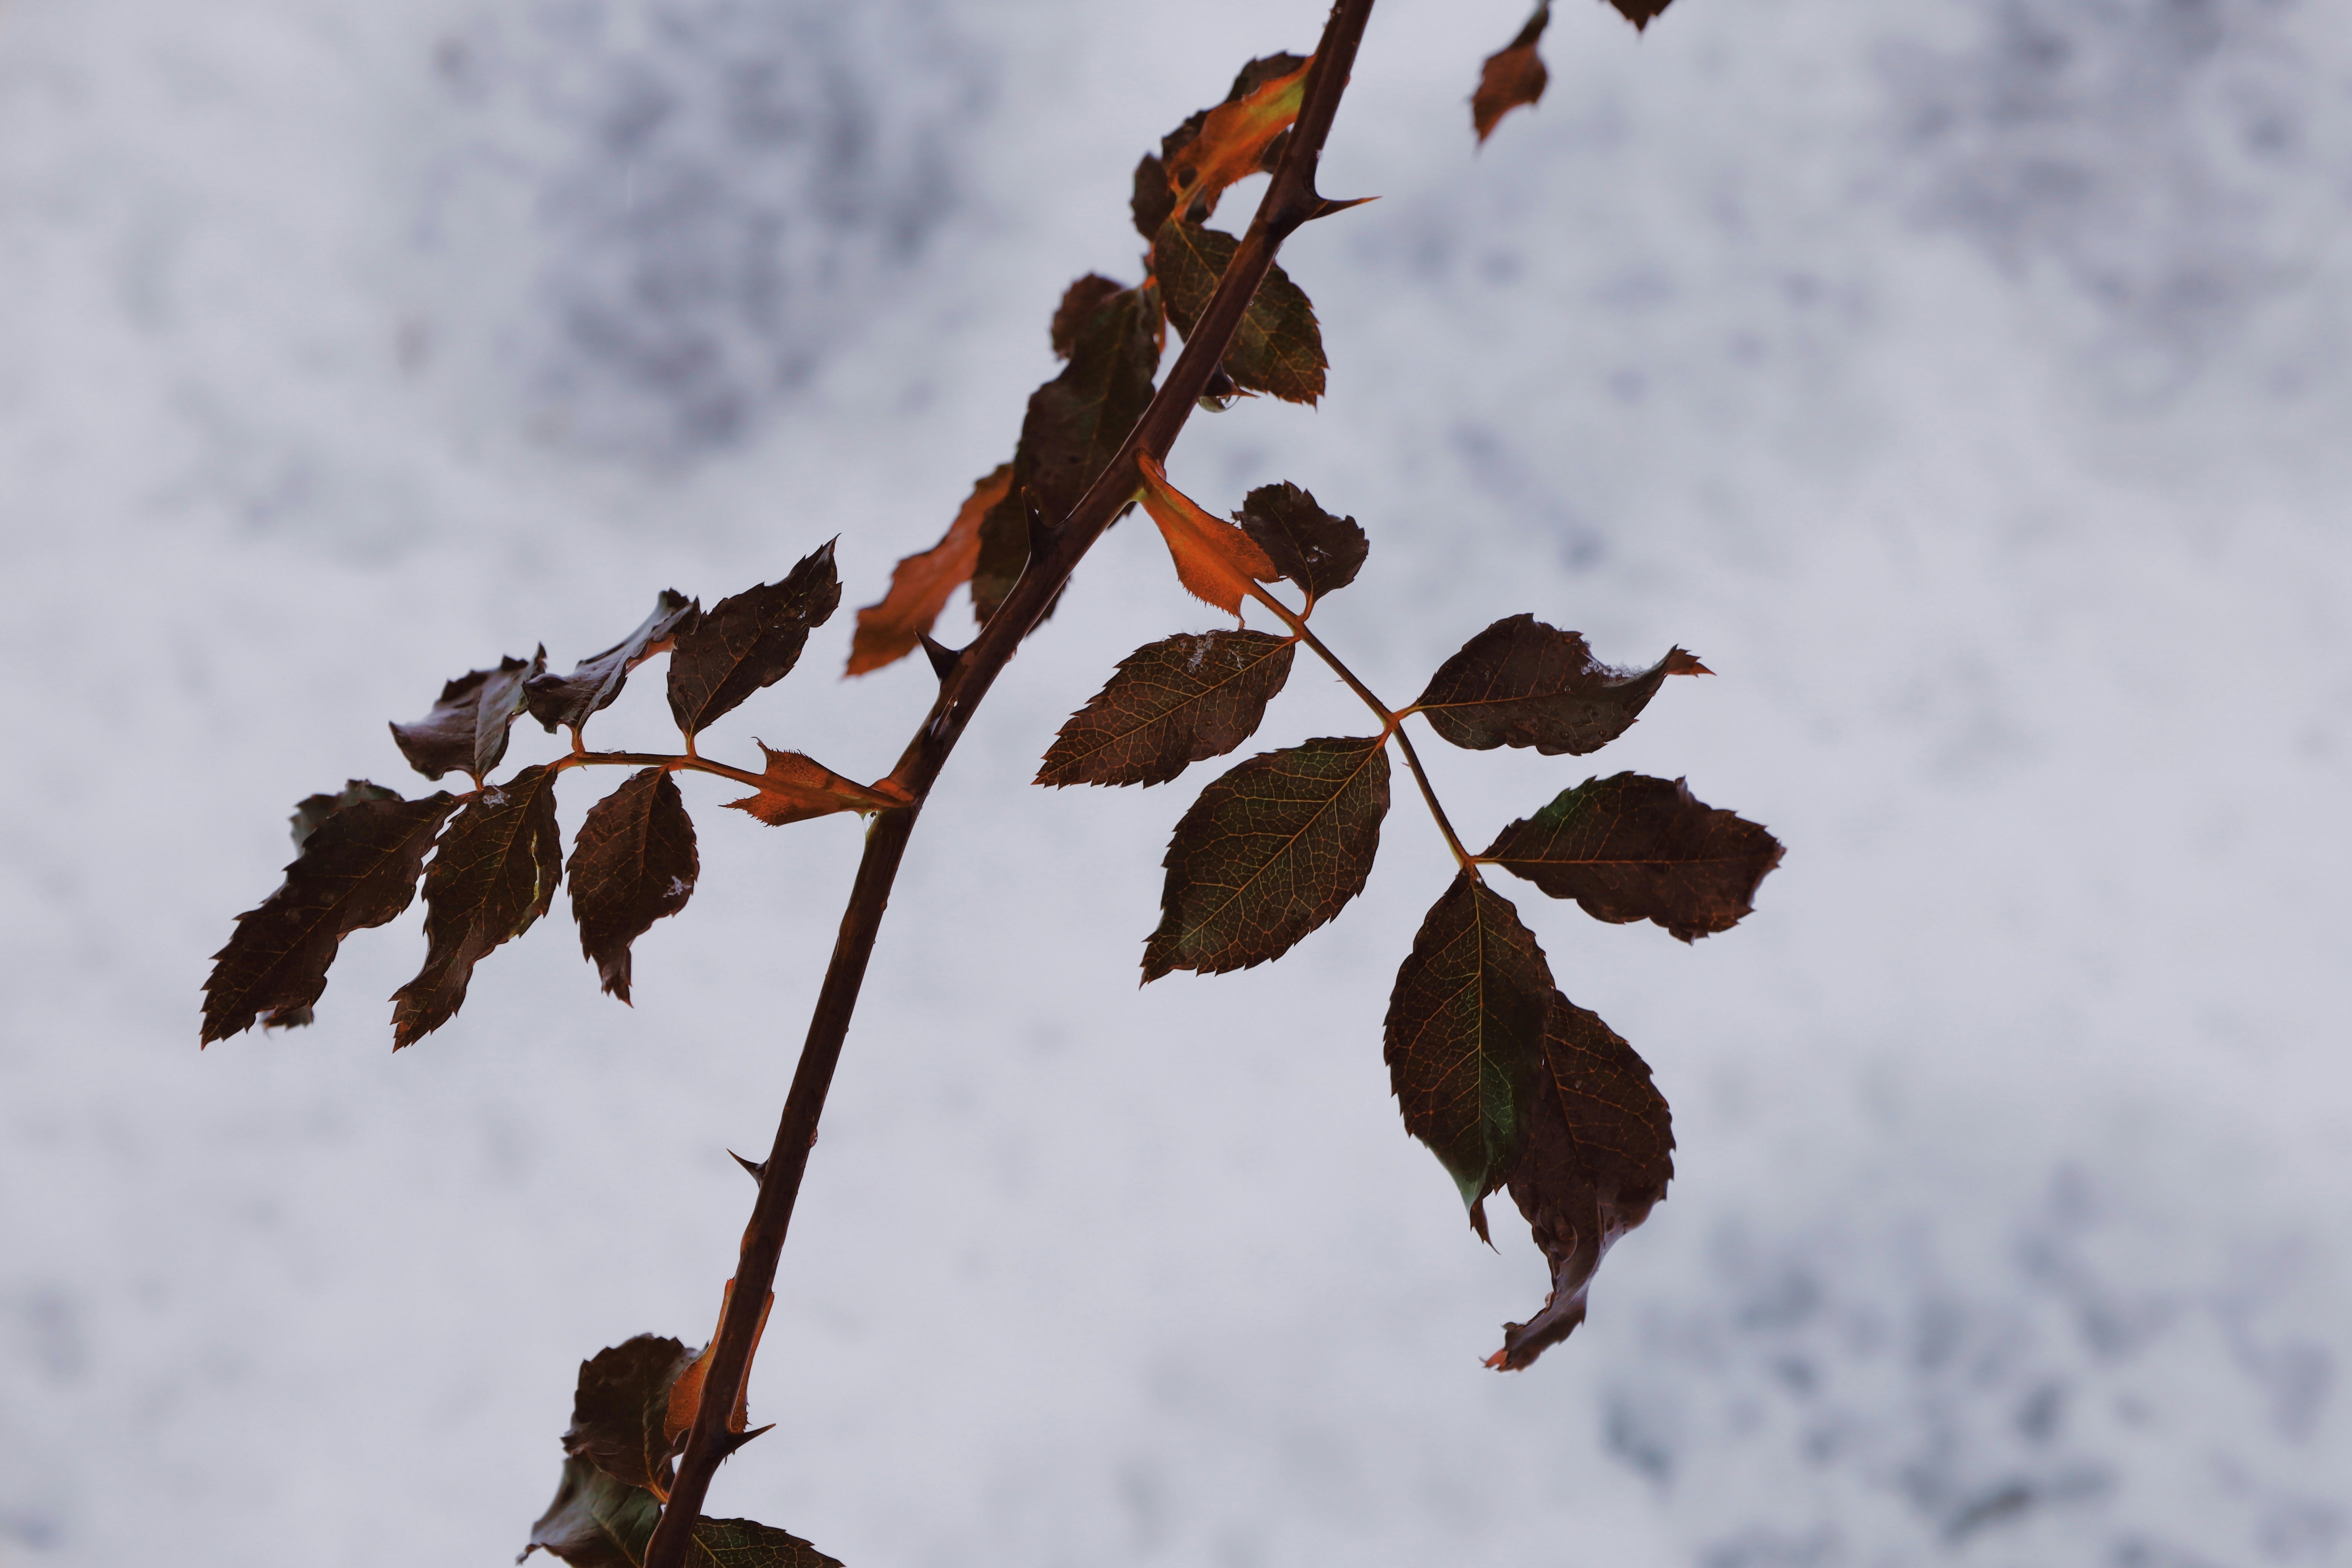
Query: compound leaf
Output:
(494,875)
(1523,683)
(619,1409)
(919,585)
(597,679)
(314,809)
(633,862)
(1514,75)
(1270,851)
(358,867)
(748,641)
(1630,848)
(1599,1153)
(1278,348)
(796,788)
(1172,703)
(1215,560)
(467,730)
(1307,545)
(1464,1039)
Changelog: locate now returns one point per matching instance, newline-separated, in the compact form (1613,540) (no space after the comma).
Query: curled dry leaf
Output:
(919,586)
(494,875)
(796,788)
(633,862)
(1269,852)
(1278,348)
(598,678)
(1631,848)
(748,641)
(620,1410)
(1463,1037)
(1216,562)
(467,730)
(1514,75)
(1320,552)
(1599,1153)
(1173,702)
(358,869)
(1523,683)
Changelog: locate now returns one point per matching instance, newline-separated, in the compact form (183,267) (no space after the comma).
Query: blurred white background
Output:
(1967,381)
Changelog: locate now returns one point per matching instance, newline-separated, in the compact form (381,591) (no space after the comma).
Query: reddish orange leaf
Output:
(796,788)
(687,1392)
(1215,560)
(1234,139)
(887,631)
(1514,75)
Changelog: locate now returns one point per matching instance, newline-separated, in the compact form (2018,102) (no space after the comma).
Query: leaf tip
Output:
(1682,661)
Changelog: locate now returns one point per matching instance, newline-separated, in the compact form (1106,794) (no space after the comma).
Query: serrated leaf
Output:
(741,1543)
(633,863)
(595,681)
(314,809)
(1173,702)
(1074,424)
(595,1522)
(1215,560)
(1270,851)
(1278,348)
(493,875)
(686,1394)
(795,788)
(619,1407)
(1464,1039)
(1523,683)
(1599,1153)
(1307,545)
(1514,75)
(467,730)
(1234,138)
(358,869)
(920,584)
(748,641)
(1080,302)
(1630,848)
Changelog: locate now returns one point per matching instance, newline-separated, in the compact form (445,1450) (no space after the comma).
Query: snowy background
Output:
(1967,381)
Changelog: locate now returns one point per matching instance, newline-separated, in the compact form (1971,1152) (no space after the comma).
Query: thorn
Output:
(943,658)
(734,1440)
(758,1168)
(1041,531)
(1325,207)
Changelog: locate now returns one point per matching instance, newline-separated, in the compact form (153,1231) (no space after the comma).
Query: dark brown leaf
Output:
(1079,303)
(1640,13)
(1599,1153)
(1320,552)
(740,1543)
(596,680)
(1269,852)
(1154,199)
(595,1522)
(1075,425)
(358,869)
(1278,348)
(1522,683)
(888,631)
(620,1407)
(1514,75)
(633,863)
(314,809)
(1172,703)
(748,641)
(1464,1035)
(796,788)
(1216,562)
(1632,847)
(467,730)
(494,874)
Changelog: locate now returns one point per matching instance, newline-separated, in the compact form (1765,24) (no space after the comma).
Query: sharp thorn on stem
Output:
(758,1168)
(1041,530)
(943,658)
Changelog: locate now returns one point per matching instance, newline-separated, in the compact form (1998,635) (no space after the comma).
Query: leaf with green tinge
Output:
(1513,75)
(1522,683)
(633,862)
(467,730)
(1630,848)
(1278,348)
(494,875)
(358,869)
(1172,703)
(1270,851)
(1320,552)
(1075,425)
(597,679)
(919,585)
(618,1410)
(595,1522)
(740,1543)
(1599,1153)
(748,641)
(1464,1035)
(313,809)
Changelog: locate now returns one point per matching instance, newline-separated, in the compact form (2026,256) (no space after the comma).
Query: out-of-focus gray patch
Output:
(653,219)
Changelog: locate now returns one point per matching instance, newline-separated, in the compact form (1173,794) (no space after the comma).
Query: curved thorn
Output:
(943,658)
